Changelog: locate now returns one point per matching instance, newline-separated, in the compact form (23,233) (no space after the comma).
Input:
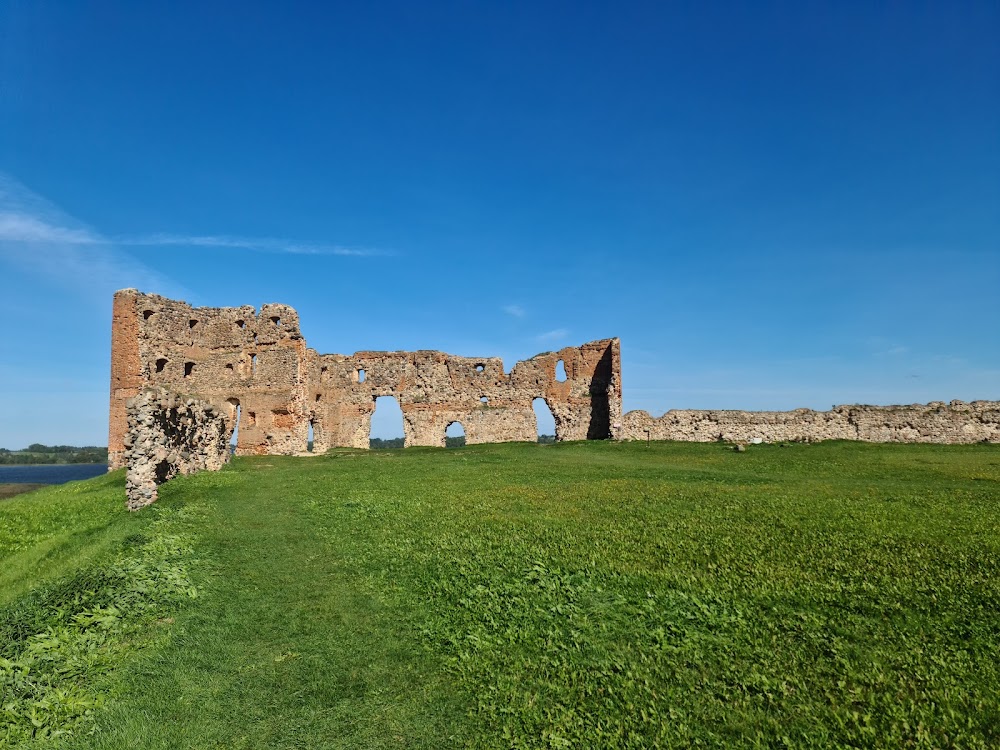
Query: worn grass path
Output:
(575,595)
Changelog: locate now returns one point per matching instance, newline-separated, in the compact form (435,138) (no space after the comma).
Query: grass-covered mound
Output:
(575,595)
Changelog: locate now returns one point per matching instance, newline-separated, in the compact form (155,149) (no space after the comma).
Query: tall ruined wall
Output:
(255,367)
(937,422)
(435,389)
(169,435)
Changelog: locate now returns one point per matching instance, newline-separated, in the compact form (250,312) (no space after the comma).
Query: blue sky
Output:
(774,205)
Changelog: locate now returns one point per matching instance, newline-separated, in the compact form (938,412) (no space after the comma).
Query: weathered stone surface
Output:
(169,435)
(257,365)
(936,422)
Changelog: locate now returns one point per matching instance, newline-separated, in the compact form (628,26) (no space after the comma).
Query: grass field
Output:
(581,595)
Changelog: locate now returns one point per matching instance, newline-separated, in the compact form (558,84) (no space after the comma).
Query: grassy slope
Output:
(10,489)
(558,596)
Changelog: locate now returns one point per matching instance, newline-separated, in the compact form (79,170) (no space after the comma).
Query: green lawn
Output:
(573,595)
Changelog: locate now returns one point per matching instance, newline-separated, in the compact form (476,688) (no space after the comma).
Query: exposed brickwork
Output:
(126,372)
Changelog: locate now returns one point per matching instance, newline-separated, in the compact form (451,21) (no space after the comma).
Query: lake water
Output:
(50,473)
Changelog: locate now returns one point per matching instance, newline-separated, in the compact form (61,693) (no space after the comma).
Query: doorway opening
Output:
(454,435)
(544,421)
(387,424)
(235,413)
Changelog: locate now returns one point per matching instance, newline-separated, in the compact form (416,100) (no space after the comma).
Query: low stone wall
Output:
(936,422)
(170,435)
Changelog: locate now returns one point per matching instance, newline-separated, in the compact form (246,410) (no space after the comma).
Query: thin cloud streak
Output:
(40,238)
(20,227)
(27,218)
(516,310)
(28,228)
(262,244)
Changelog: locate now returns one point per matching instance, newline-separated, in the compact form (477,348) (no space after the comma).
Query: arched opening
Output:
(561,371)
(544,421)
(361,376)
(310,438)
(454,435)
(387,424)
(234,419)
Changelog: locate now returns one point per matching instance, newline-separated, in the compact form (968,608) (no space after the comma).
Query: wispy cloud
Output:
(31,229)
(261,244)
(516,310)
(21,227)
(39,238)
(28,219)
(554,335)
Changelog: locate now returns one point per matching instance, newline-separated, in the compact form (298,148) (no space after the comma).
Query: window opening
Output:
(276,320)
(561,371)
(160,364)
(147,314)
(192,323)
(545,423)
(310,439)
(361,376)
(480,367)
(241,323)
(188,369)
(253,365)
(484,399)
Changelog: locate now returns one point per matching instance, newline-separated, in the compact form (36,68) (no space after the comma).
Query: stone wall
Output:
(169,435)
(936,422)
(255,368)
(256,371)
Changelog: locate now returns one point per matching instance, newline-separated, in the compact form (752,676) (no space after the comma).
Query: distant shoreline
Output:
(39,454)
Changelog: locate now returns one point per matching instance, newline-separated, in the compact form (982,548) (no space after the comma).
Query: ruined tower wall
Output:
(937,422)
(257,366)
(233,357)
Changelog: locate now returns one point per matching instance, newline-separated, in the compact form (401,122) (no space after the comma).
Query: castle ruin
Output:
(233,369)
(257,368)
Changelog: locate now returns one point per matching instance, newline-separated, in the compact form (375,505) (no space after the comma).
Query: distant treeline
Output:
(36,453)
(450,442)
